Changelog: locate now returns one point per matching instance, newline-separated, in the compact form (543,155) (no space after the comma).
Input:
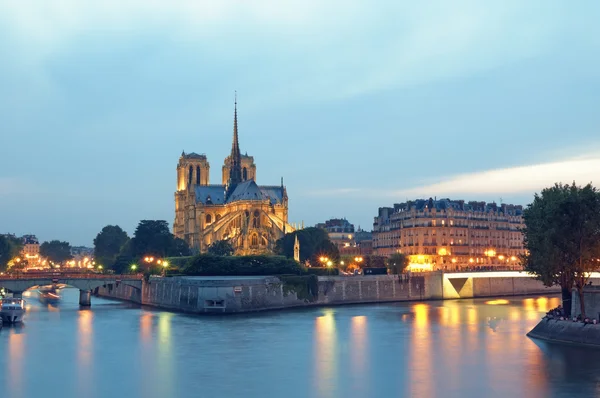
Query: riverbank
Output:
(258,293)
(566,332)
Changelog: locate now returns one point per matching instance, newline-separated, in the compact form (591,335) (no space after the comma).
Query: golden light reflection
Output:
(420,384)
(497,302)
(528,304)
(146,328)
(14,380)
(165,351)
(85,352)
(359,340)
(542,304)
(84,329)
(325,353)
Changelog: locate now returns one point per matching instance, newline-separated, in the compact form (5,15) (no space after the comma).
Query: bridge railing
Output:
(69,275)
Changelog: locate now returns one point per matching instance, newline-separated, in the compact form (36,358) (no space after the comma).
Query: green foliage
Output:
(374,262)
(322,271)
(181,248)
(108,245)
(179,263)
(56,251)
(211,265)
(10,247)
(314,243)
(221,248)
(153,238)
(306,287)
(397,263)
(562,237)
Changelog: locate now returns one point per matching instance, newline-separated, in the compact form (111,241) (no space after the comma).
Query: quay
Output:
(257,293)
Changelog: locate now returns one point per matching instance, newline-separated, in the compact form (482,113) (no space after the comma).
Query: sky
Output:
(356,104)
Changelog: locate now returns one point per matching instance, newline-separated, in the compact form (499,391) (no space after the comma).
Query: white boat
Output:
(12,310)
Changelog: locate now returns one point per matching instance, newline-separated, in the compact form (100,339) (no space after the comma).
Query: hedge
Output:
(211,265)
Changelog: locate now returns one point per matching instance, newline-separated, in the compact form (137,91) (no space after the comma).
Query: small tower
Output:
(296,249)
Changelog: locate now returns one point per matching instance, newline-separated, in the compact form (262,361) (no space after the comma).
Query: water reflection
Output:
(16,352)
(85,352)
(420,353)
(325,344)
(461,348)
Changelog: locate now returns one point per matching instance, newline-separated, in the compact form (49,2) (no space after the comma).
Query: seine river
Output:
(469,348)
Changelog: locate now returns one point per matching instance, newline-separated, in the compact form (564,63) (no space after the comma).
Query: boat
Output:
(12,310)
(48,295)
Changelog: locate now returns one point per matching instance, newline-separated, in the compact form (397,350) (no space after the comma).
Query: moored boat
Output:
(12,310)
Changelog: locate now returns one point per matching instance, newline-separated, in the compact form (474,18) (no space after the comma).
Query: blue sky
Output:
(356,104)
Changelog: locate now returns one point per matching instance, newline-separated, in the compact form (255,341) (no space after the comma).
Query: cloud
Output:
(506,181)
(13,186)
(326,50)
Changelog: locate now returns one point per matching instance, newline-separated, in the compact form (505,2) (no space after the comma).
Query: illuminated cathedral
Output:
(251,217)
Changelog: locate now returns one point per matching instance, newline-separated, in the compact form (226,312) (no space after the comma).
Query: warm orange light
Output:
(454,261)
(501,257)
(442,252)
(471,260)
(513,258)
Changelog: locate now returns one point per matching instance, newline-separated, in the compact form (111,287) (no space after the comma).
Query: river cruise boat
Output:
(12,310)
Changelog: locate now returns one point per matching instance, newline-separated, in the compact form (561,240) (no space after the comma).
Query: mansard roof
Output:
(216,194)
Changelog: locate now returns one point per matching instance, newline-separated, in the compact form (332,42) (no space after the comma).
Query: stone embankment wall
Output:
(246,294)
(566,332)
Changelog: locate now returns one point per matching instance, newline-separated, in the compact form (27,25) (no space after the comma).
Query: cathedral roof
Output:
(216,194)
(194,155)
(247,190)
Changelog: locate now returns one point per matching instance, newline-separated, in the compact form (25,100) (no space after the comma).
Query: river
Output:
(468,348)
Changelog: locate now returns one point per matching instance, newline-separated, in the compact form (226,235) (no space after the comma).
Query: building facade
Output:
(450,234)
(31,248)
(348,240)
(251,217)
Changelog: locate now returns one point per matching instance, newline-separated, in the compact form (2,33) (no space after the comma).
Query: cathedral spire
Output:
(235,167)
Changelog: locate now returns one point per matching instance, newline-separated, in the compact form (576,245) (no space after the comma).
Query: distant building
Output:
(340,231)
(31,247)
(81,253)
(447,234)
(348,240)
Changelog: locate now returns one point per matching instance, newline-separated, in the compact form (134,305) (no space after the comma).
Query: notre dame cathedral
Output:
(251,217)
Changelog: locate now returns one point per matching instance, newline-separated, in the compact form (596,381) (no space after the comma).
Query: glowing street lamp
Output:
(133,267)
(329,263)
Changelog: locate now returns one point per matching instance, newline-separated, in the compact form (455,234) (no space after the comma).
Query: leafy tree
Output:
(221,248)
(124,259)
(152,237)
(10,247)
(314,243)
(108,244)
(397,263)
(56,251)
(181,248)
(562,238)
(374,261)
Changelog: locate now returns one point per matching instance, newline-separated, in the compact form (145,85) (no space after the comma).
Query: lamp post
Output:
(133,268)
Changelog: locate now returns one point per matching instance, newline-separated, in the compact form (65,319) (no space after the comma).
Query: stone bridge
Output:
(86,283)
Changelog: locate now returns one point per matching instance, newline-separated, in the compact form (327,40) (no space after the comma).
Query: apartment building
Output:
(450,234)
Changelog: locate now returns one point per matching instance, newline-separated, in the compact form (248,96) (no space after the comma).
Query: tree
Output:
(314,243)
(562,238)
(152,237)
(56,251)
(10,247)
(181,248)
(221,248)
(108,244)
(397,263)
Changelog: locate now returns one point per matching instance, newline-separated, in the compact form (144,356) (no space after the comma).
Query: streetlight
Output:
(165,265)
(133,267)
(329,263)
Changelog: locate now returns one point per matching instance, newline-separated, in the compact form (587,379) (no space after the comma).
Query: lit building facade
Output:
(450,234)
(251,217)
(348,240)
(31,248)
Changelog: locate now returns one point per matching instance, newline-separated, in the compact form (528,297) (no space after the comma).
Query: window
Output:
(190,175)
(254,240)
(208,219)
(244,174)
(197,175)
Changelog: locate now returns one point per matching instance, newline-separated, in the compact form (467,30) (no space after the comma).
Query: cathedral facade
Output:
(251,217)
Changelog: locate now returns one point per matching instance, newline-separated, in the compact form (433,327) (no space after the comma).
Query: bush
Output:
(211,265)
(322,271)
(178,262)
